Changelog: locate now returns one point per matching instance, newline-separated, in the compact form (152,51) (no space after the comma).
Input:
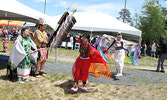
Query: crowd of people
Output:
(73,39)
(158,50)
(154,50)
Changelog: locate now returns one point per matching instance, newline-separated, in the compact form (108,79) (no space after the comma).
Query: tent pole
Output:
(91,31)
(140,39)
(56,55)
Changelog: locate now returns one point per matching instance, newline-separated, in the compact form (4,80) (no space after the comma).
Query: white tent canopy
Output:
(13,10)
(97,22)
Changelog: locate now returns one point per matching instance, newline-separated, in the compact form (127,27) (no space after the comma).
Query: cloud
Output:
(166,1)
(111,8)
(63,4)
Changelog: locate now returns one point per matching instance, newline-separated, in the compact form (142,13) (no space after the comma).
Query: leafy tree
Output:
(152,21)
(136,20)
(164,10)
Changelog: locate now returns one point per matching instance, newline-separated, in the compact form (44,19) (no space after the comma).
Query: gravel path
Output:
(130,77)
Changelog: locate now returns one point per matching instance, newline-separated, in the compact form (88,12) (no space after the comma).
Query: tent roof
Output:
(13,10)
(97,22)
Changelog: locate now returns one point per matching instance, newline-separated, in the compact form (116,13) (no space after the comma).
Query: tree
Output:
(125,16)
(152,21)
(136,20)
(164,10)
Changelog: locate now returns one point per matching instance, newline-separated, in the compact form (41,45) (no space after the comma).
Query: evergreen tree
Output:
(125,16)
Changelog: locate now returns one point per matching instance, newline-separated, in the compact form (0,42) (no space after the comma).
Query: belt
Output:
(118,48)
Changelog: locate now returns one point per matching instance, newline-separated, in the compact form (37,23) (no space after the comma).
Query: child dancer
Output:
(80,69)
(119,53)
(5,42)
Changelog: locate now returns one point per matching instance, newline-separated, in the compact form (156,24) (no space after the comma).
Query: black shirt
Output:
(163,46)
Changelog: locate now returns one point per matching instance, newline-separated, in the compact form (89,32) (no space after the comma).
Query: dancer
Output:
(20,57)
(119,53)
(80,69)
(40,38)
(5,40)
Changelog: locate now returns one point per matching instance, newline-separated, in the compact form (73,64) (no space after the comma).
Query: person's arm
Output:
(155,48)
(127,44)
(145,46)
(130,44)
(109,40)
(38,35)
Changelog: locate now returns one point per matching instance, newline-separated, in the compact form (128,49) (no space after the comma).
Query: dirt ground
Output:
(57,86)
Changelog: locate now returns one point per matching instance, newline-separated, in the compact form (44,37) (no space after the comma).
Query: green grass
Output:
(65,53)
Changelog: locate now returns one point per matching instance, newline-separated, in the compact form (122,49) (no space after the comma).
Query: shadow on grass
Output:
(3,65)
(66,86)
(5,77)
(147,70)
(113,76)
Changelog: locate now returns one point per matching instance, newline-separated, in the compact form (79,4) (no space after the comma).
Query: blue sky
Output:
(111,7)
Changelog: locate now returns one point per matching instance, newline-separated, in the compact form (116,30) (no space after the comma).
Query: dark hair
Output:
(161,39)
(23,29)
(38,25)
(155,41)
(87,36)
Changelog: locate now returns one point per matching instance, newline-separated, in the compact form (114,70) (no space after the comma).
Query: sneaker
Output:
(74,89)
(84,88)
(20,81)
(162,71)
(118,74)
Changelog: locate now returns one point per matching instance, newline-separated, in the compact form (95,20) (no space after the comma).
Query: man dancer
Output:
(40,38)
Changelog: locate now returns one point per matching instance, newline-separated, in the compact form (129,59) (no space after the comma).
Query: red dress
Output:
(82,64)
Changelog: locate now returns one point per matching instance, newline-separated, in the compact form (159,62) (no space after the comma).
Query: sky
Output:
(110,7)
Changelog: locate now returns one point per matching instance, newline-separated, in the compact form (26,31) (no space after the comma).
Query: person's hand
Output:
(130,44)
(45,42)
(36,50)
(91,52)
(107,38)
(53,31)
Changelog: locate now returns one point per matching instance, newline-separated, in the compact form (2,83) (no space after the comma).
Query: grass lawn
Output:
(56,86)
